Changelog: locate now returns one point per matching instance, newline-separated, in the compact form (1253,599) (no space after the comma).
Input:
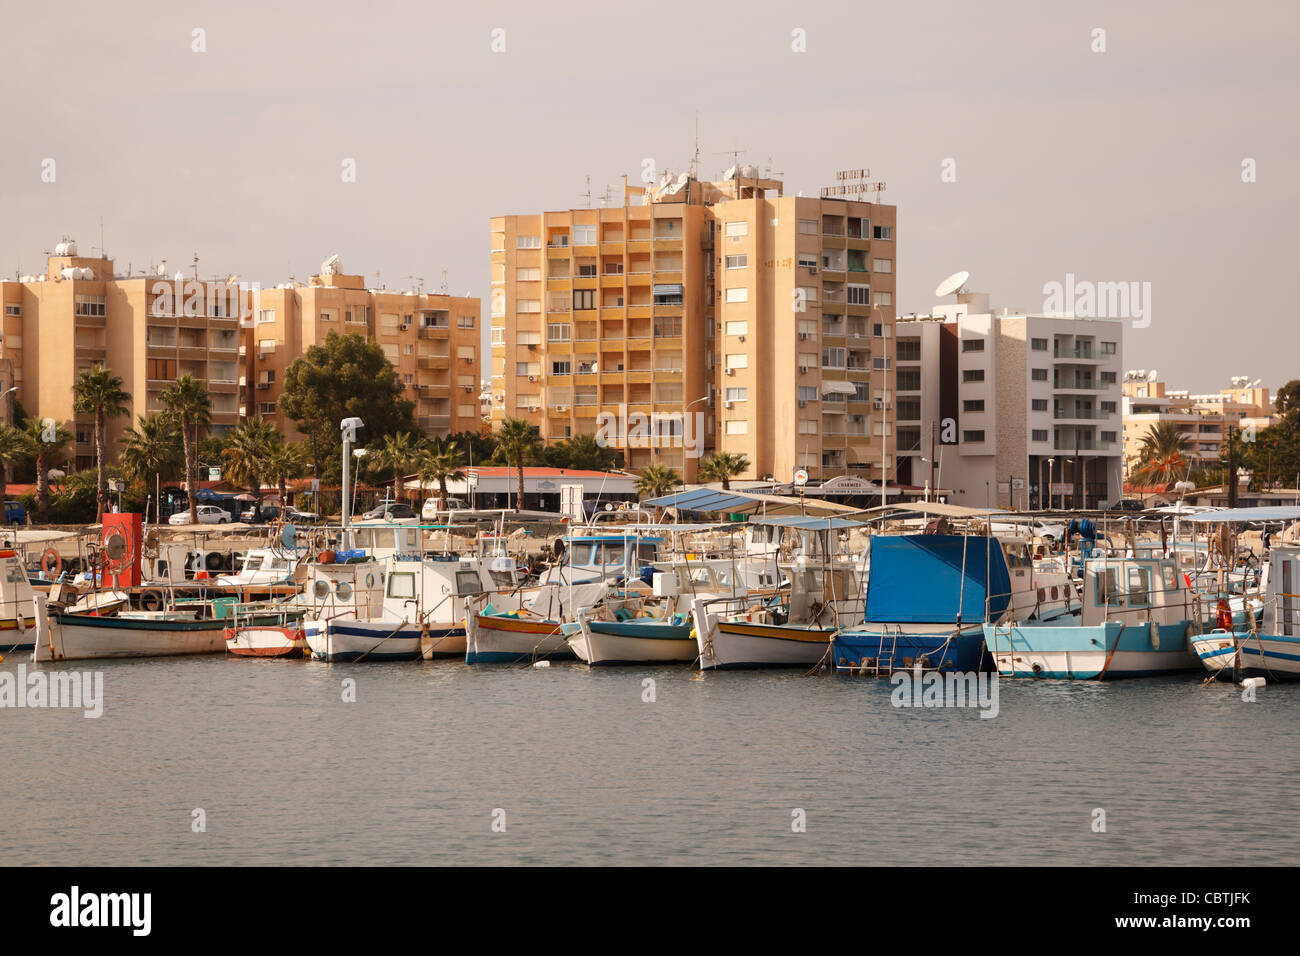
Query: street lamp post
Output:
(1051,463)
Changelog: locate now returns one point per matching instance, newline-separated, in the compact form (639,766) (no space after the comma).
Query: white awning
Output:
(838,388)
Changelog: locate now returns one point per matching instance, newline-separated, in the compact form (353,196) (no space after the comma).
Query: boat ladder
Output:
(878,667)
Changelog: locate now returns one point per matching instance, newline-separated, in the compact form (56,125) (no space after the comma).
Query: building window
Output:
(973,436)
(13,310)
(833,358)
(1108,407)
(738,328)
(584,235)
(465,321)
(556,332)
(737,395)
(807,260)
(972,375)
(973,405)
(584,299)
(357,314)
(808,227)
(884,298)
(882,265)
(1038,374)
(909,350)
(738,228)
(972,345)
(738,360)
(90,305)
(528,242)
(1039,404)
(882,232)
(1039,434)
(738,262)
(1108,378)
(666,294)
(738,295)
(1107,436)
(528,305)
(882,363)
(1038,345)
(738,426)
(909,380)
(1107,348)
(859,295)
(807,393)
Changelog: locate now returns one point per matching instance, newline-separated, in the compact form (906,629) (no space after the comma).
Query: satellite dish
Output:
(289,537)
(1151,375)
(952,284)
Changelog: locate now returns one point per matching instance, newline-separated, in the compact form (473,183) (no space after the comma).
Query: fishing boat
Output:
(928,596)
(1134,621)
(343,594)
(630,627)
(17,605)
(1272,649)
(531,626)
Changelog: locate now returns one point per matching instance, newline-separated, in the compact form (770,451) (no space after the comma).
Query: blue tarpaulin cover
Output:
(917,578)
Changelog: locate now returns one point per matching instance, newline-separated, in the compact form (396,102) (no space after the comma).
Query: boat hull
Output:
(883,650)
(604,643)
(347,641)
(738,645)
(16,638)
(73,637)
(1229,656)
(1090,652)
(266,641)
(491,639)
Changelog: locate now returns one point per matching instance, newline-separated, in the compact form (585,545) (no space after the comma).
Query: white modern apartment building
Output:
(995,408)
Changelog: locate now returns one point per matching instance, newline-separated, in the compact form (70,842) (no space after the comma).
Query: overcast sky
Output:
(1123,165)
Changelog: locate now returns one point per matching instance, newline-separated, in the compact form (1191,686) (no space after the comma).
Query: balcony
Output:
(441,362)
(434,331)
(1066,444)
(1080,414)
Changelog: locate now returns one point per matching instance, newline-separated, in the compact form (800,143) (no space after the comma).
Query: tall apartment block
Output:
(1203,420)
(1006,409)
(432,339)
(769,316)
(146,329)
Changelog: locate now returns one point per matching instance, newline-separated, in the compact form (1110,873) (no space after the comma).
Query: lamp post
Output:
(1051,463)
(348,428)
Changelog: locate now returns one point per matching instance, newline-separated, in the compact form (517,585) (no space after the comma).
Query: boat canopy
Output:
(1261,513)
(737,502)
(917,578)
(942,510)
(805,523)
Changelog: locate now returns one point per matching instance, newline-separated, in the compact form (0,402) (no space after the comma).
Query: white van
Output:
(433,509)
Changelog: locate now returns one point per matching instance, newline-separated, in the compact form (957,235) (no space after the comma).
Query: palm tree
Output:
(190,406)
(516,439)
(722,466)
(46,442)
(150,450)
(1162,455)
(99,392)
(245,454)
(440,462)
(657,480)
(281,462)
(13,448)
(397,454)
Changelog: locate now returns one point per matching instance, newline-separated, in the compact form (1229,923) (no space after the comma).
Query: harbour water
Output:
(587,772)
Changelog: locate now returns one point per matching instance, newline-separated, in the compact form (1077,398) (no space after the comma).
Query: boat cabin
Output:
(1135,590)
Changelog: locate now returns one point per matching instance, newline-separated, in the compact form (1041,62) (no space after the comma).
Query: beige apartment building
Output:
(432,339)
(767,319)
(146,329)
(151,328)
(1203,419)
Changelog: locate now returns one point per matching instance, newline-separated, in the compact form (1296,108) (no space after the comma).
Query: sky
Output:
(1017,142)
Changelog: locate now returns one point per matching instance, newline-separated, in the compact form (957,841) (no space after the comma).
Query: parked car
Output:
(389,509)
(207,514)
(433,507)
(15,514)
(1127,504)
(269,513)
(300,517)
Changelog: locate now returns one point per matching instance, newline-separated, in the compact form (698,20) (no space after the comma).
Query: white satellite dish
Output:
(952,284)
(1151,376)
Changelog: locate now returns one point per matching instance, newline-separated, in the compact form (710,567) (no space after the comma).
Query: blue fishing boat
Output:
(1134,622)
(928,596)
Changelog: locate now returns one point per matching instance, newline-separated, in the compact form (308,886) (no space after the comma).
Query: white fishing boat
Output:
(17,605)
(1270,649)
(532,627)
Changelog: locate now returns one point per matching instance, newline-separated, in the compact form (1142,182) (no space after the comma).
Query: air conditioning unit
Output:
(812,269)
(263,384)
(877,404)
(469,361)
(561,408)
(726,404)
(532,378)
(731,371)
(803,336)
(468,388)
(532,345)
(803,369)
(741,337)
(532,408)
(803,403)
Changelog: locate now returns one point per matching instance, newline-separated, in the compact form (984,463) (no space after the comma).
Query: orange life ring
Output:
(48,555)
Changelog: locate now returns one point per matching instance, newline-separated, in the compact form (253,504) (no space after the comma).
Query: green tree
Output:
(244,457)
(13,448)
(396,454)
(188,403)
(657,480)
(47,442)
(516,440)
(582,452)
(440,462)
(722,466)
(281,462)
(1162,455)
(346,377)
(150,452)
(100,393)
